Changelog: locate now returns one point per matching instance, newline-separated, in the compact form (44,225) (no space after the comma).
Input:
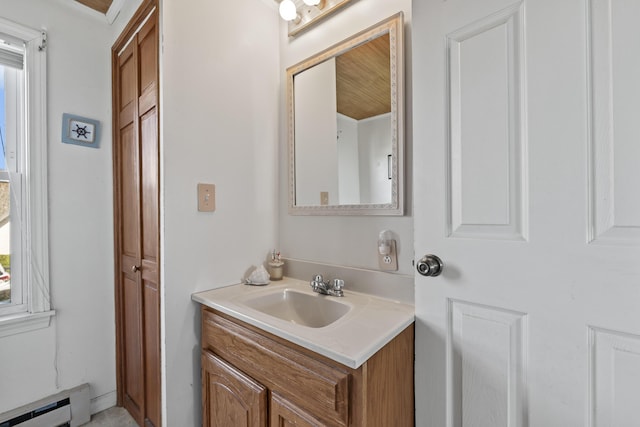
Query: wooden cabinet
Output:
(253,378)
(230,397)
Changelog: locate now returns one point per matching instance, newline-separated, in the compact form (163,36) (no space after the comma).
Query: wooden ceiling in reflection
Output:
(101,6)
(363,80)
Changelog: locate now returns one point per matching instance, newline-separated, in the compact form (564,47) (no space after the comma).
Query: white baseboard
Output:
(106,401)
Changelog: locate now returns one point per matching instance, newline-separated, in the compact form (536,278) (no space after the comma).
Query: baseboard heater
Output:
(67,408)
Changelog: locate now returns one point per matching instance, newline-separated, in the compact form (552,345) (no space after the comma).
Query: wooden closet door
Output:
(136,176)
(128,216)
(149,197)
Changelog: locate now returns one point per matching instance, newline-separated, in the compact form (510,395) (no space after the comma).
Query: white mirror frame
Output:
(395,27)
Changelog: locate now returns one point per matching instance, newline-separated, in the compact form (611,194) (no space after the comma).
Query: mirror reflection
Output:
(345,139)
(342,119)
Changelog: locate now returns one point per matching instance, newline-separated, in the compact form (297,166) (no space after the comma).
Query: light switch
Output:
(324,198)
(206,197)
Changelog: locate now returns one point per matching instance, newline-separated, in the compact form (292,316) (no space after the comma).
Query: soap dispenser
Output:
(276,266)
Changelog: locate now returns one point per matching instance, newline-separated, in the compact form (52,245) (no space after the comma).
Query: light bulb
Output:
(288,10)
(311,2)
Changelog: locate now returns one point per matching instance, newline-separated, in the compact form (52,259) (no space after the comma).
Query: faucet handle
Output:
(316,281)
(338,284)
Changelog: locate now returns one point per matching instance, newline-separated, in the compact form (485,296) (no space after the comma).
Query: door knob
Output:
(430,265)
(135,268)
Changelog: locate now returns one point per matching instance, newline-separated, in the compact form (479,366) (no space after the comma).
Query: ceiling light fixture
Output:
(288,10)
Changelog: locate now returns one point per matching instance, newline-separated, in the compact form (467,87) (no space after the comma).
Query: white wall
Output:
(79,346)
(317,157)
(350,241)
(219,107)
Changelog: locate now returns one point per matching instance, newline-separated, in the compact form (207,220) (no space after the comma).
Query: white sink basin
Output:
(347,329)
(311,310)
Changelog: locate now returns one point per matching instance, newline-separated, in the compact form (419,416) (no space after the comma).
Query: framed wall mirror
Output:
(346,126)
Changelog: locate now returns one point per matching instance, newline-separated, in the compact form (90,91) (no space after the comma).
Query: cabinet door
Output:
(286,414)
(229,397)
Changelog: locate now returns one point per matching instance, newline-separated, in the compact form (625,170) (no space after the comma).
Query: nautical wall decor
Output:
(80,131)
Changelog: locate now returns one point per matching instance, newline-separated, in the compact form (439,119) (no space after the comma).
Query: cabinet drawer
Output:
(317,388)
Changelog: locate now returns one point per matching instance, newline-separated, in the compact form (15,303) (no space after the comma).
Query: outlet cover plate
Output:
(389,262)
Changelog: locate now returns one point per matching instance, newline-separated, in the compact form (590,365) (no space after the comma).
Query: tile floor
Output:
(112,417)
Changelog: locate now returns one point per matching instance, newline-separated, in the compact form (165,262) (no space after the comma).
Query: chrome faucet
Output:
(333,288)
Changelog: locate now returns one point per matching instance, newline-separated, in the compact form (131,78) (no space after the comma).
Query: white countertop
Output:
(370,324)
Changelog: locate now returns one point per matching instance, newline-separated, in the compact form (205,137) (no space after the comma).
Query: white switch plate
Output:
(206,197)
(389,262)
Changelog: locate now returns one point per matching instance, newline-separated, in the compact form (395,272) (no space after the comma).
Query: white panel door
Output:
(526,130)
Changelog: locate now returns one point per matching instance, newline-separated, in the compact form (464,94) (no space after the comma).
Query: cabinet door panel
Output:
(230,398)
(286,414)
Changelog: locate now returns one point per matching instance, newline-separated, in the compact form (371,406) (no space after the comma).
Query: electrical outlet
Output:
(206,197)
(389,262)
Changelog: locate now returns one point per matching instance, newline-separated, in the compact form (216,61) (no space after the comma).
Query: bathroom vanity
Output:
(263,365)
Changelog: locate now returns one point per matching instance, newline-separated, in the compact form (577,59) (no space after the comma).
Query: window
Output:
(11,175)
(24,260)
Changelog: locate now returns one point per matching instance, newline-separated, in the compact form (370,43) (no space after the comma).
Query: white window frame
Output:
(36,311)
